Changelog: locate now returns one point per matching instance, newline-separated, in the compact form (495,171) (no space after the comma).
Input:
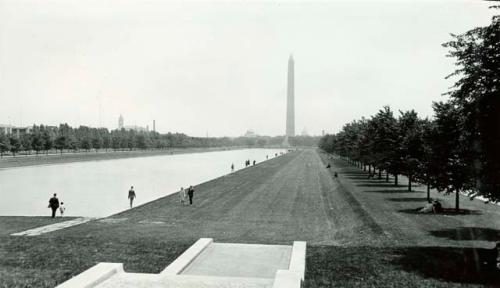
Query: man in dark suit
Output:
(190,194)
(131,196)
(54,204)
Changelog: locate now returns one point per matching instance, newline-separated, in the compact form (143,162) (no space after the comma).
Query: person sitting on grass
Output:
(431,207)
(437,207)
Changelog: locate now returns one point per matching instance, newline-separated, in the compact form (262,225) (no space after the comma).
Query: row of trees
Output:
(65,138)
(459,148)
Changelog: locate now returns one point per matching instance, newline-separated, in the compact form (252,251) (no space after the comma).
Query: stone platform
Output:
(208,264)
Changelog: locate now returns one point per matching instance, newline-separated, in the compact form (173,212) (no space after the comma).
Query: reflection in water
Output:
(100,188)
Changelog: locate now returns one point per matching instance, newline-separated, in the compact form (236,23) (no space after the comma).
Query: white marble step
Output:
(139,280)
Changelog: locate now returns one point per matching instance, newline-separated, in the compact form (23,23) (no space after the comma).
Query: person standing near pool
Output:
(54,204)
(131,195)
(182,196)
(190,194)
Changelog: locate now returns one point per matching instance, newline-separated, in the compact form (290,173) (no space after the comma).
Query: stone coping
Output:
(93,276)
(298,260)
(287,279)
(187,257)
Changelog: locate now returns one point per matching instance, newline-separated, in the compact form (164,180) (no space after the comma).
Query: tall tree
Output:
(4,143)
(25,141)
(452,151)
(36,140)
(428,165)
(410,144)
(14,144)
(61,143)
(384,143)
(47,140)
(477,94)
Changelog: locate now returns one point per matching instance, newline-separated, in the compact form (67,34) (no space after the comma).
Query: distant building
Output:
(250,133)
(13,130)
(130,127)
(290,103)
(304,132)
(120,122)
(136,128)
(6,129)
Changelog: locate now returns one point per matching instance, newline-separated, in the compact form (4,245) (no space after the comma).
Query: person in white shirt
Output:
(182,196)
(62,208)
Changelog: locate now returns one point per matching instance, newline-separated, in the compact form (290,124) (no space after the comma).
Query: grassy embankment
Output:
(360,232)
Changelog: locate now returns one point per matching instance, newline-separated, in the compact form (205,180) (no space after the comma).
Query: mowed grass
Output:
(359,232)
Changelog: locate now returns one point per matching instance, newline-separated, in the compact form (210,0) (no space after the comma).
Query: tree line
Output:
(458,149)
(64,138)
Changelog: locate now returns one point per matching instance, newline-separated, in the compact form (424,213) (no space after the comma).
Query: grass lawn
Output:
(360,232)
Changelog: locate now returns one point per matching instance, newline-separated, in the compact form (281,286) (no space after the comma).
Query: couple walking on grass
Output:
(184,193)
(54,205)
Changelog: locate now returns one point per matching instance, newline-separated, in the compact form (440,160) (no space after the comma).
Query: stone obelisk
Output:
(290,105)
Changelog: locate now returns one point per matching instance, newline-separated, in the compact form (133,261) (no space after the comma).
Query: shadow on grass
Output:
(361,181)
(380,184)
(331,266)
(393,191)
(446,211)
(461,265)
(409,199)
(469,233)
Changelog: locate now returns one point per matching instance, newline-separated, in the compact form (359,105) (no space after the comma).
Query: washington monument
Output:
(290,105)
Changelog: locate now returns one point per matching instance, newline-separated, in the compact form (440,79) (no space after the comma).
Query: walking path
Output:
(53,227)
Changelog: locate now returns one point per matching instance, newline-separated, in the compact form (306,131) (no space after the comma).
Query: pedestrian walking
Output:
(232,167)
(182,196)
(54,204)
(131,196)
(254,162)
(190,194)
(62,208)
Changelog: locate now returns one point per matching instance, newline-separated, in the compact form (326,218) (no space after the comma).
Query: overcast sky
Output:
(220,67)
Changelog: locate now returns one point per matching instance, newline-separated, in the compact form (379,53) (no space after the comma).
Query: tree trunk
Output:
(370,169)
(428,191)
(457,200)
(409,182)
(386,176)
(395,179)
(379,174)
